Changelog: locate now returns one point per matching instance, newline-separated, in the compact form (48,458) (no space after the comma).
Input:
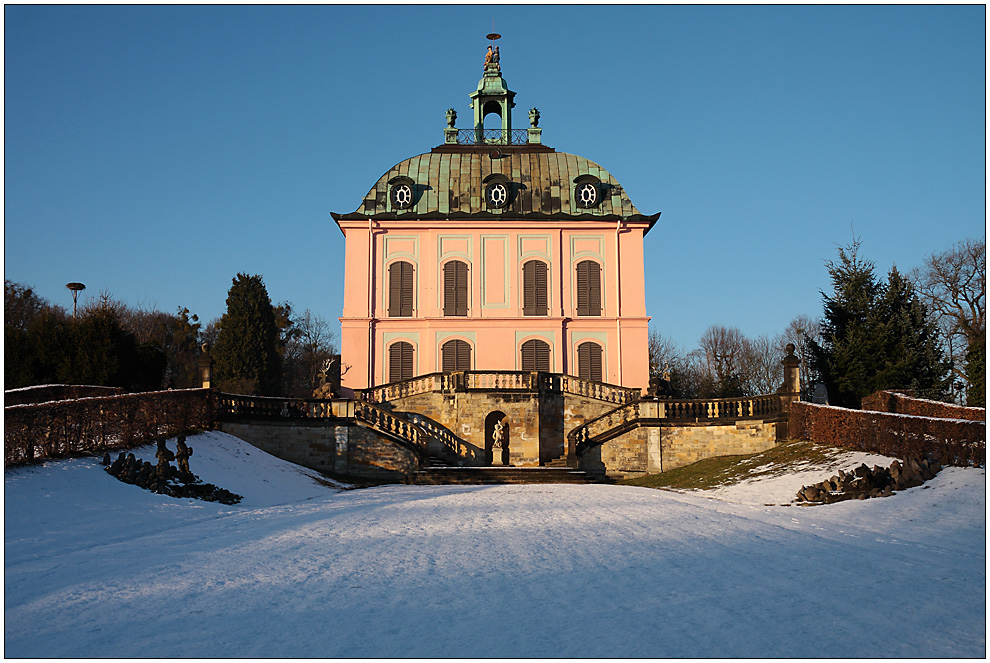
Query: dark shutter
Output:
(590,361)
(535,288)
(455,356)
(455,288)
(400,290)
(535,356)
(589,288)
(400,362)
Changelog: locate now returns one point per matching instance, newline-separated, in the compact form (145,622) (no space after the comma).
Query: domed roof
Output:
(450,184)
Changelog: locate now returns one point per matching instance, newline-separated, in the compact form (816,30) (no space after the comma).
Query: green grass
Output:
(727,470)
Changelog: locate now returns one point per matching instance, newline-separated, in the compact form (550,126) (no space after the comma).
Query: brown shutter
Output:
(541,288)
(594,289)
(400,290)
(535,356)
(589,288)
(400,362)
(455,356)
(455,288)
(529,288)
(590,361)
(394,290)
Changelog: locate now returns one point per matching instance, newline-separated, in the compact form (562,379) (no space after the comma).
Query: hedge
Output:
(949,441)
(58,429)
(900,403)
(56,392)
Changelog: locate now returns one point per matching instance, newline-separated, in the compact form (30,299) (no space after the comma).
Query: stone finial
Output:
(451,117)
(534,117)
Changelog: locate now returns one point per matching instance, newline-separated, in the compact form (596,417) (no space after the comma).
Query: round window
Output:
(402,196)
(497,194)
(587,195)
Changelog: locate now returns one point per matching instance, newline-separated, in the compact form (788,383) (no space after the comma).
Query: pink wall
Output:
(495,326)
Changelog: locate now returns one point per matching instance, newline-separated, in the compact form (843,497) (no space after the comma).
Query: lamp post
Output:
(75,288)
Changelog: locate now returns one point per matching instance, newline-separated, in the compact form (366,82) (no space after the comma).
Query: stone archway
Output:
(497,439)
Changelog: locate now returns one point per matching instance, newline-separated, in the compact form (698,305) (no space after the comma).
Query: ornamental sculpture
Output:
(451,117)
(534,117)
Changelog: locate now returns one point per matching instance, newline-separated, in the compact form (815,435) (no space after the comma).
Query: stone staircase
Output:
(435,473)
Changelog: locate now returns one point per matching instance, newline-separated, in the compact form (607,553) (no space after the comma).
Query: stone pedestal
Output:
(497,457)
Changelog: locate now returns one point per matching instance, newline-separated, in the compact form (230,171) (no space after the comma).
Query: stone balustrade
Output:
(522,381)
(614,422)
(237,406)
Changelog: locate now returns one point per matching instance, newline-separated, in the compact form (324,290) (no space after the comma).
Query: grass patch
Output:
(710,473)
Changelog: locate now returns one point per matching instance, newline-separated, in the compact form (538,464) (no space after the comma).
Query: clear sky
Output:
(154,152)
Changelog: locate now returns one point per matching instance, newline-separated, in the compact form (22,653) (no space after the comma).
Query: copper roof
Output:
(448,184)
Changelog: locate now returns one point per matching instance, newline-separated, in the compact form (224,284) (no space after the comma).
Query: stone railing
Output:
(724,408)
(520,381)
(658,412)
(262,407)
(602,391)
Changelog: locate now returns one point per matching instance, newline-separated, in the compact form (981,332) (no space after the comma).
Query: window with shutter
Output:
(589,288)
(535,356)
(535,288)
(455,356)
(400,361)
(400,290)
(590,361)
(455,288)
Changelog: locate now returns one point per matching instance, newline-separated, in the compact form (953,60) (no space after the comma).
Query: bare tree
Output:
(762,371)
(723,351)
(953,285)
(663,353)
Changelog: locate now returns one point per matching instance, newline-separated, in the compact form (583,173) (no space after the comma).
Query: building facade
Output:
(494,252)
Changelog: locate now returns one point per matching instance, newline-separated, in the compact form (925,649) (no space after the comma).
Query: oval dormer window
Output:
(587,194)
(497,194)
(402,192)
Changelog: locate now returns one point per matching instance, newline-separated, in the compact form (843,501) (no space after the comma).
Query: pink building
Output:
(494,252)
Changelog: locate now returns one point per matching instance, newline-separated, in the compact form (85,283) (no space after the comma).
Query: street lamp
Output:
(75,288)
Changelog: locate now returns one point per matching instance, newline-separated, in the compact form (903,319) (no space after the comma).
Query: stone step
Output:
(499,475)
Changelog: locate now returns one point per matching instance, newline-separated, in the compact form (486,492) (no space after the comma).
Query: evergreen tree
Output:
(876,336)
(912,350)
(246,357)
(849,355)
(976,373)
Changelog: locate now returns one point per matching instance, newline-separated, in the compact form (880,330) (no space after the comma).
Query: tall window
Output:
(535,355)
(535,288)
(455,288)
(589,288)
(455,356)
(590,361)
(400,290)
(400,361)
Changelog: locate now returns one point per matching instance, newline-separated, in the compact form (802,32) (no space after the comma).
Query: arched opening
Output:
(496,439)
(492,120)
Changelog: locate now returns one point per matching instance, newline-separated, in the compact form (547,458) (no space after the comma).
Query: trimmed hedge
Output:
(56,392)
(949,441)
(899,403)
(93,425)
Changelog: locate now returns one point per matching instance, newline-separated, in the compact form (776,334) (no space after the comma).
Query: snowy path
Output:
(94,567)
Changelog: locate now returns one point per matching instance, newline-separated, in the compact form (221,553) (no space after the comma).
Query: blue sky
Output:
(154,152)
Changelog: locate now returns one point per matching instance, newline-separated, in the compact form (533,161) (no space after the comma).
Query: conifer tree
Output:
(912,350)
(246,358)
(875,335)
(848,357)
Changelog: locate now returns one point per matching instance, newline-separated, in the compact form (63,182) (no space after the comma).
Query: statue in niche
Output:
(498,432)
(534,117)
(451,117)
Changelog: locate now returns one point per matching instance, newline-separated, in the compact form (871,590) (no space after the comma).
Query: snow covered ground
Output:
(97,568)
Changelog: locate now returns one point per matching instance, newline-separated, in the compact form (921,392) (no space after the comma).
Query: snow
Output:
(98,568)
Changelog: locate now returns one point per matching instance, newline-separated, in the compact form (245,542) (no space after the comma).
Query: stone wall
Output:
(334,449)
(654,449)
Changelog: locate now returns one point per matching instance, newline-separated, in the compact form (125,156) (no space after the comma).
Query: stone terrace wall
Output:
(652,449)
(347,449)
